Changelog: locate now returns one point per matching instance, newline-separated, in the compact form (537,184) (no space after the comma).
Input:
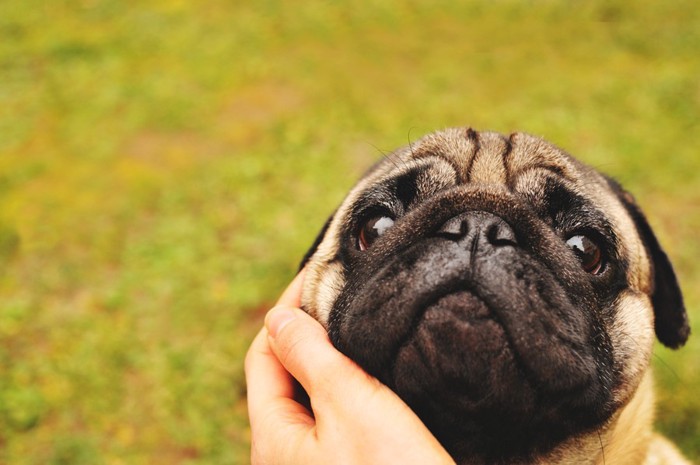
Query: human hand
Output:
(355,418)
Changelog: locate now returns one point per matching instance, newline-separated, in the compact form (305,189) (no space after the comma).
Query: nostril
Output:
(454,228)
(482,228)
(501,234)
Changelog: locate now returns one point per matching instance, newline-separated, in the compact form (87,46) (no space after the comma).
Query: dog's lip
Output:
(468,316)
(458,324)
(462,303)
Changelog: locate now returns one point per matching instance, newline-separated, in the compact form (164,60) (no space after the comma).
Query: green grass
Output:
(163,168)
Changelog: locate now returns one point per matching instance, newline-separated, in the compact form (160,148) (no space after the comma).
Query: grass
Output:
(163,167)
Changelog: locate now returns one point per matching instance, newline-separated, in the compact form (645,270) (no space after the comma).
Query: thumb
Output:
(302,346)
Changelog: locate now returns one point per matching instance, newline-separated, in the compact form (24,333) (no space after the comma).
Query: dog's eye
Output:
(372,229)
(588,252)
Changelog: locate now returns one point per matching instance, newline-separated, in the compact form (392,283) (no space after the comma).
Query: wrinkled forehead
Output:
(485,157)
(529,167)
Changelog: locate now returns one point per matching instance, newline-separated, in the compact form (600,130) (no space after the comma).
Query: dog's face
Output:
(507,292)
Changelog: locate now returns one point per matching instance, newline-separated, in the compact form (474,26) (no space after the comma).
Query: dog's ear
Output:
(317,241)
(671,319)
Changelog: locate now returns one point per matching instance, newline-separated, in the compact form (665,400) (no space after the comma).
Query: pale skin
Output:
(354,418)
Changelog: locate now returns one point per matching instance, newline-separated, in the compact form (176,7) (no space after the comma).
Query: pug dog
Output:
(508,293)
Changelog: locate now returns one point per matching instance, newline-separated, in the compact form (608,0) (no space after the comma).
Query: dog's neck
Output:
(628,438)
(625,441)
(631,439)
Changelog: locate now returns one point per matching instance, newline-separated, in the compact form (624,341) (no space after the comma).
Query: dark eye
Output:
(588,252)
(372,229)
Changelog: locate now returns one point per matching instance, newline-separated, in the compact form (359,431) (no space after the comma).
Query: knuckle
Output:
(292,346)
(248,362)
(251,357)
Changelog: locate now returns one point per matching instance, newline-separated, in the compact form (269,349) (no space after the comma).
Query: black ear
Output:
(671,319)
(317,241)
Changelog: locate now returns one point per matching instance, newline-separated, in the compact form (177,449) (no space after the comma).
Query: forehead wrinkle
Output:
(488,163)
(534,180)
(455,146)
(429,163)
(432,173)
(529,152)
(566,175)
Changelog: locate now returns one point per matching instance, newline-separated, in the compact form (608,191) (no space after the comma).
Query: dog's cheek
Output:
(322,285)
(632,336)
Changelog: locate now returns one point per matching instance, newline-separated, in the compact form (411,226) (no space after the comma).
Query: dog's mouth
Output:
(467,372)
(456,339)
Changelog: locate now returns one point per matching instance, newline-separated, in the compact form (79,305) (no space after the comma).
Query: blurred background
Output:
(165,164)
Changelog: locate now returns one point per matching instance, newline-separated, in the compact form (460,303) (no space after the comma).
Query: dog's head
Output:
(499,286)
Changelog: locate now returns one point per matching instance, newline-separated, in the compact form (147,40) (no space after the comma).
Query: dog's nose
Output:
(479,228)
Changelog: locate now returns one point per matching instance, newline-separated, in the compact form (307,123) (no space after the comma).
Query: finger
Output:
(280,426)
(264,373)
(265,376)
(302,346)
(270,387)
(292,295)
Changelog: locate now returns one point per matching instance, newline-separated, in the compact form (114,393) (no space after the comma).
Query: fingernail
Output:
(278,318)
